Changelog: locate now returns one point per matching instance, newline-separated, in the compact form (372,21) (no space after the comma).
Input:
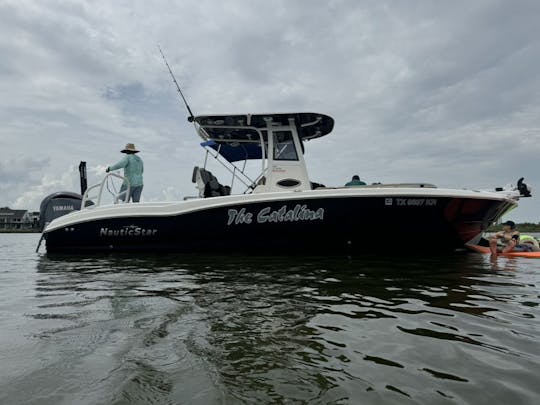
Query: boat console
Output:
(274,139)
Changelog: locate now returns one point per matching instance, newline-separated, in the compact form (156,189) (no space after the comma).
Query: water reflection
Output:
(191,329)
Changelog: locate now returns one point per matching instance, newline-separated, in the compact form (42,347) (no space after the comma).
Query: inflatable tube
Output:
(486,250)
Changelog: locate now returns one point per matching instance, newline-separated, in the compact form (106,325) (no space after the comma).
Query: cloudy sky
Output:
(440,92)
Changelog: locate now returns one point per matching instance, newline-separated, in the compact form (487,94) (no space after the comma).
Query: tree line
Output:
(522,227)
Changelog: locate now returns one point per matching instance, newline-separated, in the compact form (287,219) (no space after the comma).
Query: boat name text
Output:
(298,213)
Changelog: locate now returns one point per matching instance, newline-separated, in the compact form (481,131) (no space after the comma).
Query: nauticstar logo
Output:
(298,213)
(131,230)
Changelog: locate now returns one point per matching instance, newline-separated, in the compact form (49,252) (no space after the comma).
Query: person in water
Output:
(133,171)
(510,238)
(355,182)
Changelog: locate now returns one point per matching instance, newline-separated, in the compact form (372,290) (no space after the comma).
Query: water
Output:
(227,330)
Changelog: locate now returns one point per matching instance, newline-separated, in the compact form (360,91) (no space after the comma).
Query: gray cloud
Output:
(18,170)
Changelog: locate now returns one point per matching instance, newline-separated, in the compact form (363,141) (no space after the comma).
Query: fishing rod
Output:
(191,116)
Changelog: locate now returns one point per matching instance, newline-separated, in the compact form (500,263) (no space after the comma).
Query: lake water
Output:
(174,329)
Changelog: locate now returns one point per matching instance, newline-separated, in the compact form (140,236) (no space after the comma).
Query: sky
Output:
(421,91)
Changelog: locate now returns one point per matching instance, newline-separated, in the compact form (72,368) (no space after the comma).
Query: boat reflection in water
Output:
(191,329)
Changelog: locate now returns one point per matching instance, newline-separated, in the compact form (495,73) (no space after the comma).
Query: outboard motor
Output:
(56,205)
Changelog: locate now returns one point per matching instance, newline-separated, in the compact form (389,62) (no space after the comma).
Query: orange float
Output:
(486,250)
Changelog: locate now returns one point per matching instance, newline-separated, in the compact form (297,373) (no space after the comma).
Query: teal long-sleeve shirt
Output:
(133,169)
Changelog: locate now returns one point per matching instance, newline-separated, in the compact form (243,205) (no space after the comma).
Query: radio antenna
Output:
(191,117)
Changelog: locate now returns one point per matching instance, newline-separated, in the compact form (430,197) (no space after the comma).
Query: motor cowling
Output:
(56,205)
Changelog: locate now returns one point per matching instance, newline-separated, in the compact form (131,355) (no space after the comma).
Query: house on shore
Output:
(18,219)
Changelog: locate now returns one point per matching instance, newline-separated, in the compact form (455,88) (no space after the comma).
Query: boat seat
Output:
(207,184)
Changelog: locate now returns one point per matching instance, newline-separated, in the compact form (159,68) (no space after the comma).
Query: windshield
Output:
(284,148)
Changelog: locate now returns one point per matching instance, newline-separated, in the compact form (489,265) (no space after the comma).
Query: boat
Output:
(486,250)
(281,211)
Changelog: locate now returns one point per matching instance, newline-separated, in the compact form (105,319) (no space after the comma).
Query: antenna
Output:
(191,117)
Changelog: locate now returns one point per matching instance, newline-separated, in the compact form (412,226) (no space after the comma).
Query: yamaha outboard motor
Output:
(57,204)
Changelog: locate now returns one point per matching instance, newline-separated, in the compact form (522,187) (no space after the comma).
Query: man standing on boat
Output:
(133,171)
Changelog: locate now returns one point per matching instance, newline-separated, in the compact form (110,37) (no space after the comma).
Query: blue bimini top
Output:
(233,152)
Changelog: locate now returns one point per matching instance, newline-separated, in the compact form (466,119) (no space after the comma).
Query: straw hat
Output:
(129,148)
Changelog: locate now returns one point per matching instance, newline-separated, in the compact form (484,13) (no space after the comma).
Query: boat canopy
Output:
(250,127)
(235,151)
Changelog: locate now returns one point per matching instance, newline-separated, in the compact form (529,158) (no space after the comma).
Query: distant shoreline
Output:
(19,231)
(525,227)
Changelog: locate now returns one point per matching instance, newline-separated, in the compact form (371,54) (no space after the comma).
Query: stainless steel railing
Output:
(117,196)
